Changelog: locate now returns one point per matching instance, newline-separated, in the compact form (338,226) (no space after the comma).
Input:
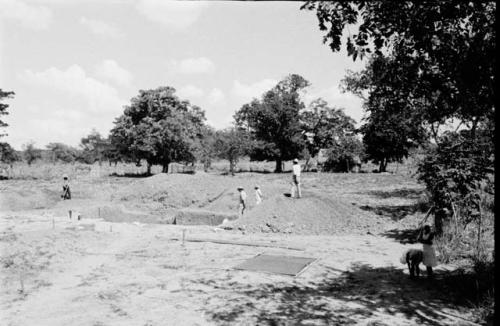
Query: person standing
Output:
(258,195)
(426,237)
(243,201)
(66,191)
(296,179)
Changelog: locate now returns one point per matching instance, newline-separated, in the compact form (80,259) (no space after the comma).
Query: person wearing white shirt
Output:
(296,179)
(258,195)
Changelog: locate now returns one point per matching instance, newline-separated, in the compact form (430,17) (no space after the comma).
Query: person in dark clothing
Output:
(66,191)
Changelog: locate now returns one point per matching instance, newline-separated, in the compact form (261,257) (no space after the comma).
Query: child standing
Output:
(243,201)
(258,195)
(426,237)
(66,191)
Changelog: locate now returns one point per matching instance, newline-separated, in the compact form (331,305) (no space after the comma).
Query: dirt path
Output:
(101,273)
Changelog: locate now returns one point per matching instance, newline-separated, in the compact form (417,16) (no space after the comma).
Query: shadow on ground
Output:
(407,236)
(408,193)
(395,212)
(131,175)
(347,299)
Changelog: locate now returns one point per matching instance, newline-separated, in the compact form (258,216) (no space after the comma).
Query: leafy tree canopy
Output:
(159,127)
(231,144)
(4,106)
(31,153)
(62,152)
(324,126)
(449,46)
(274,121)
(8,154)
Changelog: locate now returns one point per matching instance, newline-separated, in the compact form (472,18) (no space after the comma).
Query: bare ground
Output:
(57,271)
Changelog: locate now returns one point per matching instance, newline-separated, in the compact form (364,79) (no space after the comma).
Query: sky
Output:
(75,64)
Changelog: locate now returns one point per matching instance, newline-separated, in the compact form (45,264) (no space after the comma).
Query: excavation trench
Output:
(119,214)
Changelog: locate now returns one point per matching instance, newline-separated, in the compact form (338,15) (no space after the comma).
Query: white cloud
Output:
(247,92)
(101,28)
(190,66)
(75,82)
(28,15)
(190,91)
(173,14)
(216,97)
(111,70)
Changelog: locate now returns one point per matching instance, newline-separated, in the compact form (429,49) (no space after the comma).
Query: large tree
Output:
(393,125)
(274,121)
(3,107)
(446,51)
(158,127)
(441,56)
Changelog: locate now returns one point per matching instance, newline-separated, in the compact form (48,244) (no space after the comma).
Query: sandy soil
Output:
(57,271)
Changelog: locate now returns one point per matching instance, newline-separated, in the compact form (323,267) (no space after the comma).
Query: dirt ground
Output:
(123,264)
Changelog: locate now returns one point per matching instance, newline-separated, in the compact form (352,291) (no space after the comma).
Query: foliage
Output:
(7,154)
(449,46)
(274,121)
(345,153)
(159,127)
(204,147)
(95,148)
(456,173)
(62,152)
(324,125)
(393,126)
(30,153)
(231,144)
(3,107)
(440,59)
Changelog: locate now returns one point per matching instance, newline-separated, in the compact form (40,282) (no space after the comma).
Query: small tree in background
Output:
(327,128)
(62,152)
(231,144)
(346,152)
(7,154)
(93,147)
(204,147)
(30,153)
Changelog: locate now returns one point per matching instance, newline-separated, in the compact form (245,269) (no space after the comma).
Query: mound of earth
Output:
(311,214)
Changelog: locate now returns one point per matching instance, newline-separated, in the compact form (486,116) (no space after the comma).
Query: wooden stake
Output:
(99,212)
(53,224)
(69,212)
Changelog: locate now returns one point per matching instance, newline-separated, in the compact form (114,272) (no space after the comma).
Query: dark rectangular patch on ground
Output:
(287,265)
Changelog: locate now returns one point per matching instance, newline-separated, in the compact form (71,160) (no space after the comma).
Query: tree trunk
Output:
(165,167)
(279,166)
(439,217)
(149,168)
(383,165)
(231,167)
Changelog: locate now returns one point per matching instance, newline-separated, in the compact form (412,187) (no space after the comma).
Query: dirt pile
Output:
(313,214)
